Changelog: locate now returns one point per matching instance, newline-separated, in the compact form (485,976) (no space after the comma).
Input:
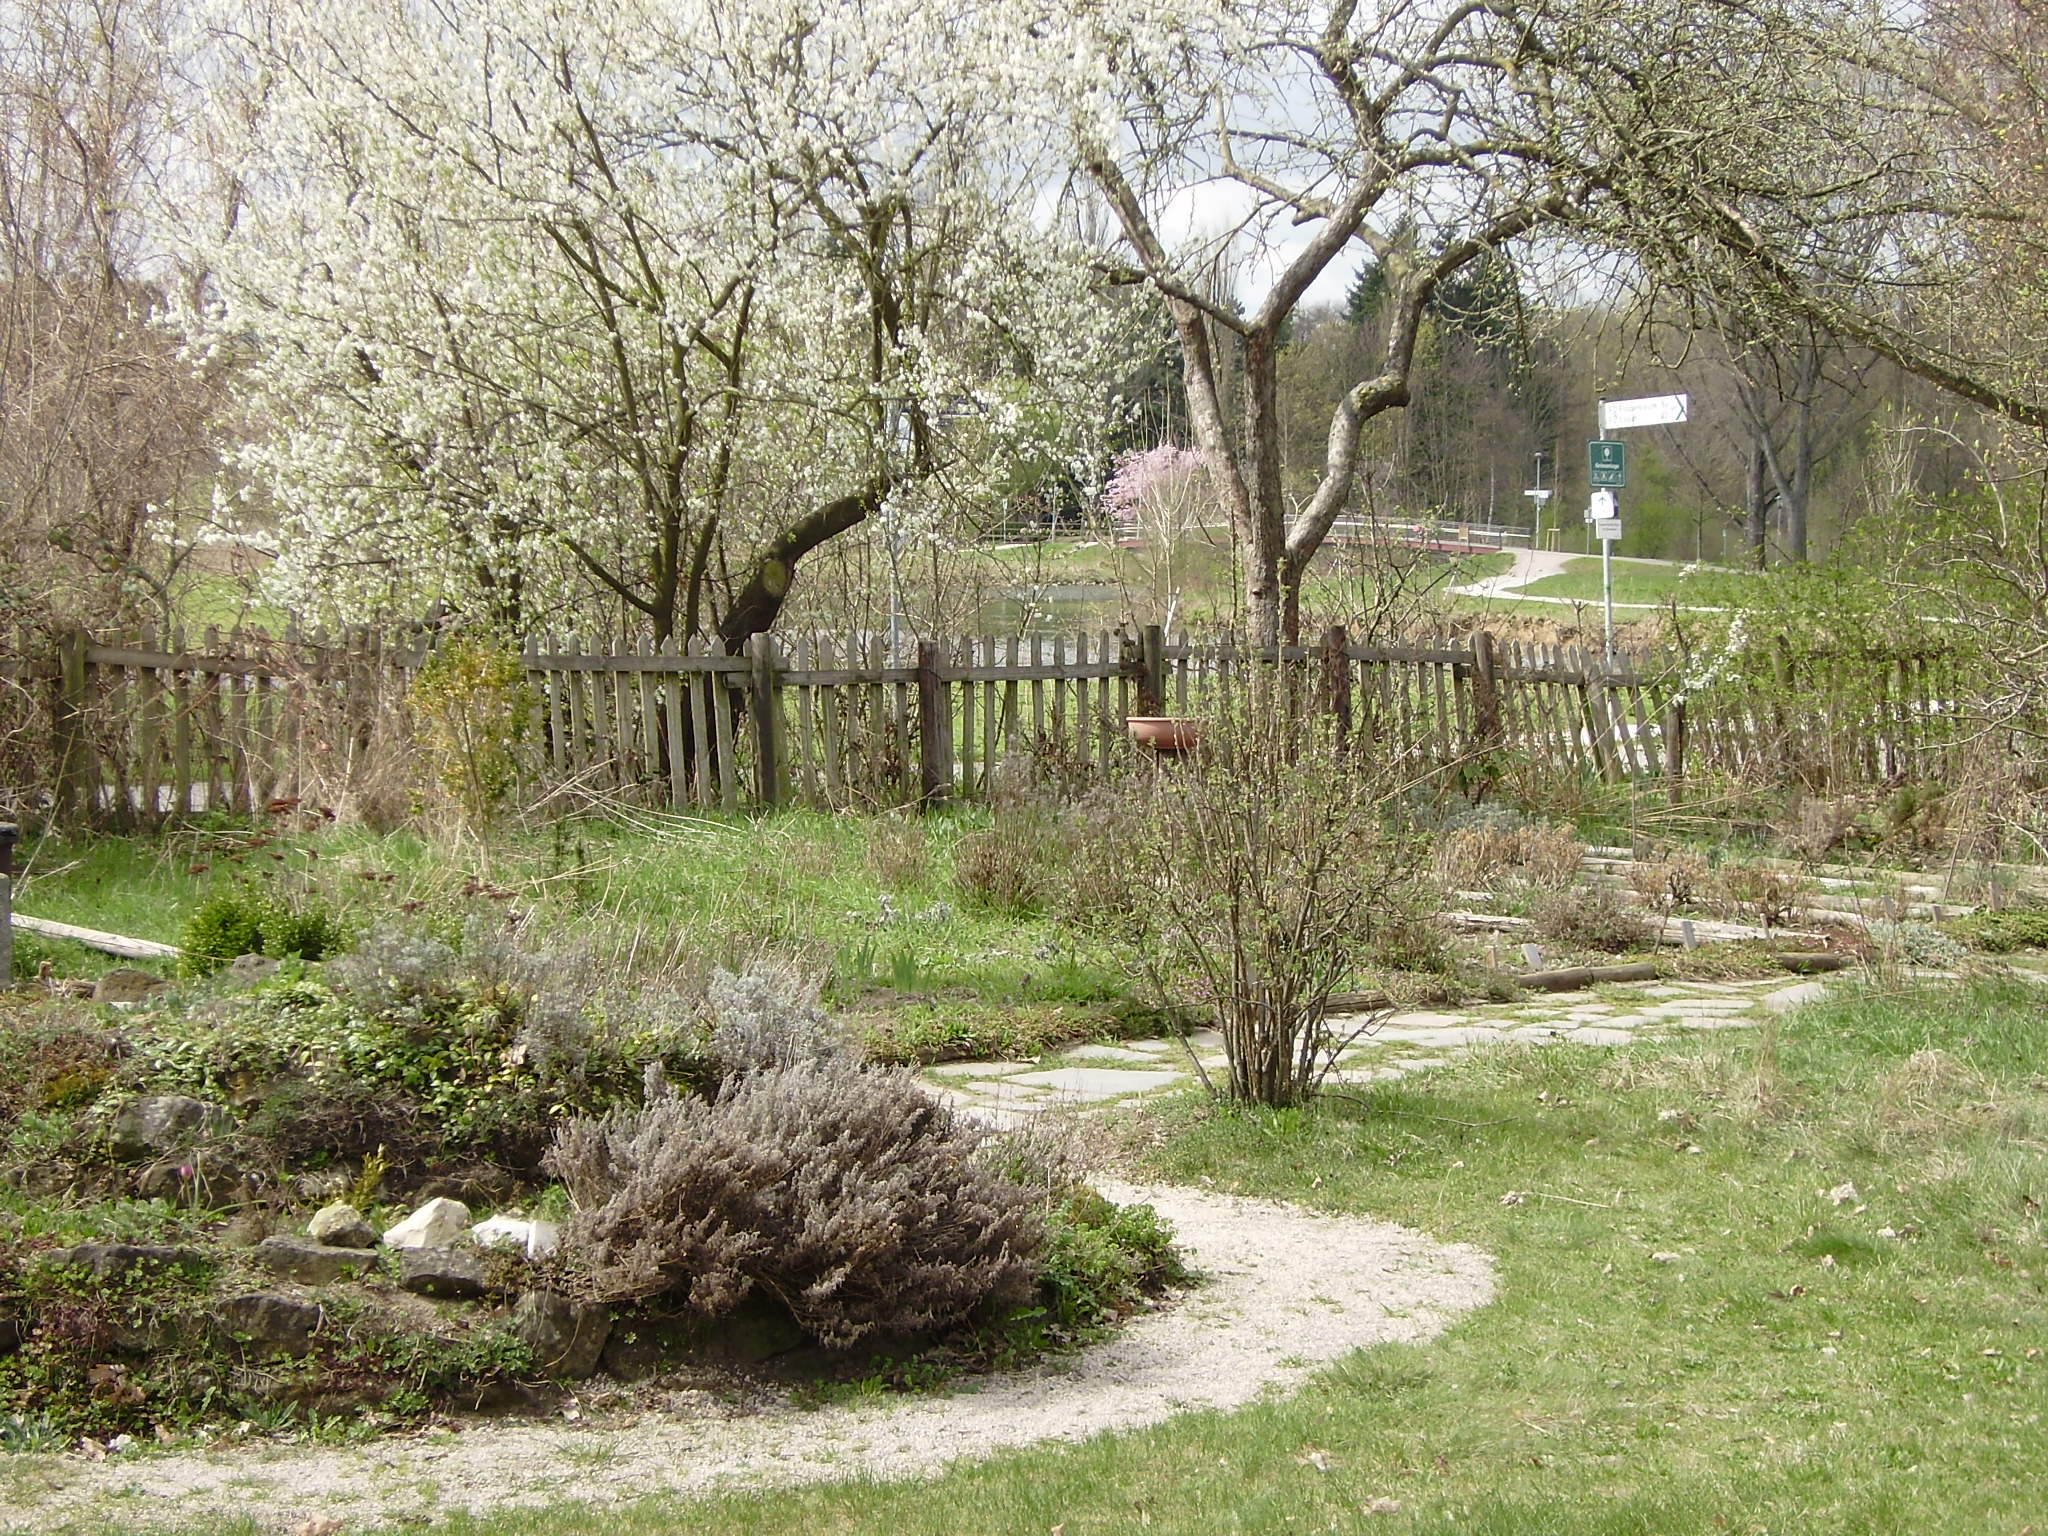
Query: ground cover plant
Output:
(1793,1280)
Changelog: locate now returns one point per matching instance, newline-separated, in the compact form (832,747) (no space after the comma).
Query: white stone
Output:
(1424,1020)
(1709,1021)
(434,1225)
(533,1238)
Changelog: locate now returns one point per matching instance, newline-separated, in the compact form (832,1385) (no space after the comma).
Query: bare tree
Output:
(102,423)
(1435,137)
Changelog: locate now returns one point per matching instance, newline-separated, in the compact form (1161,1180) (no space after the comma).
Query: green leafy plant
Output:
(473,707)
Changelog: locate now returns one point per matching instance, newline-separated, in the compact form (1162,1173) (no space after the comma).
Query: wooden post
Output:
(767,712)
(68,721)
(1337,682)
(1674,750)
(935,773)
(1152,679)
(1486,731)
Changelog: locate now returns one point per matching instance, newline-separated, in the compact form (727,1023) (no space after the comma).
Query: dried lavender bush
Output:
(841,1190)
(769,1016)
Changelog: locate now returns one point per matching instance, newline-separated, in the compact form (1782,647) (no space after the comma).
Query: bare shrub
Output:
(896,853)
(1759,894)
(842,1191)
(1592,917)
(1673,883)
(1270,867)
(1103,889)
(1012,866)
(1498,853)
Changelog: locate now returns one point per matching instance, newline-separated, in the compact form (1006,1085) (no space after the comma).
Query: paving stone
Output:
(1708,1021)
(1785,999)
(1423,1019)
(1598,1036)
(1702,1005)
(1205,1039)
(1089,1083)
(1665,989)
(1106,1053)
(1469,1034)
(974,1068)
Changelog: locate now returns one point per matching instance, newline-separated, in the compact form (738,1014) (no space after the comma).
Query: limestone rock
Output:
(566,1337)
(434,1225)
(448,1274)
(116,1261)
(308,1262)
(164,1123)
(341,1225)
(124,987)
(271,1324)
(532,1238)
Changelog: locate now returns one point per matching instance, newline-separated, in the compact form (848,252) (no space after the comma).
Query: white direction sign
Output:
(1607,529)
(1603,506)
(1649,411)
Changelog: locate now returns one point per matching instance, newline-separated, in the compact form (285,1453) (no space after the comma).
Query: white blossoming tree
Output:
(535,304)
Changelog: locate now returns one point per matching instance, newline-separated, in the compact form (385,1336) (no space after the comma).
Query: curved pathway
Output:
(1287,1291)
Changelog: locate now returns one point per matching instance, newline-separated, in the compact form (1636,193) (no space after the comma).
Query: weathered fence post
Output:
(767,713)
(7,835)
(67,721)
(1337,682)
(1674,750)
(1486,731)
(935,769)
(1152,680)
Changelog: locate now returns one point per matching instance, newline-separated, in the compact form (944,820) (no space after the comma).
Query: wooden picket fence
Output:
(139,732)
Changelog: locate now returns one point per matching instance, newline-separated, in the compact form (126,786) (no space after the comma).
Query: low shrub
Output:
(1103,1261)
(1501,850)
(1011,867)
(843,1191)
(897,855)
(1917,943)
(1759,894)
(2003,932)
(1592,917)
(254,920)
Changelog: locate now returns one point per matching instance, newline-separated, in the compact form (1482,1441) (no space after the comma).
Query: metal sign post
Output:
(1607,472)
(1603,515)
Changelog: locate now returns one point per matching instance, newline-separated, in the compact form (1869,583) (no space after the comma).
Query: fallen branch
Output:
(111,943)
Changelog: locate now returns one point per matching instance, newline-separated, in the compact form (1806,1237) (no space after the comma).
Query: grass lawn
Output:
(1647,582)
(869,901)
(1692,1333)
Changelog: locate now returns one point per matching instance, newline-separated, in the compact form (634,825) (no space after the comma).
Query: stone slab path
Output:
(1008,1093)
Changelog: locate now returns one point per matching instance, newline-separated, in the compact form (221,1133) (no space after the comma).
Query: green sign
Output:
(1607,462)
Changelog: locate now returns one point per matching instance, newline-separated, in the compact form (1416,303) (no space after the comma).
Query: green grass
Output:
(1640,582)
(870,902)
(1791,1369)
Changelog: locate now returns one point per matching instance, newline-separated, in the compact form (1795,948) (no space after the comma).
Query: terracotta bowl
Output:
(1164,733)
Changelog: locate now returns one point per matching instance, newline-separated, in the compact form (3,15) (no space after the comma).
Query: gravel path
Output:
(1287,1291)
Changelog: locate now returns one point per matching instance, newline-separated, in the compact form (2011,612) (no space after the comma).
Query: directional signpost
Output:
(1607,472)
